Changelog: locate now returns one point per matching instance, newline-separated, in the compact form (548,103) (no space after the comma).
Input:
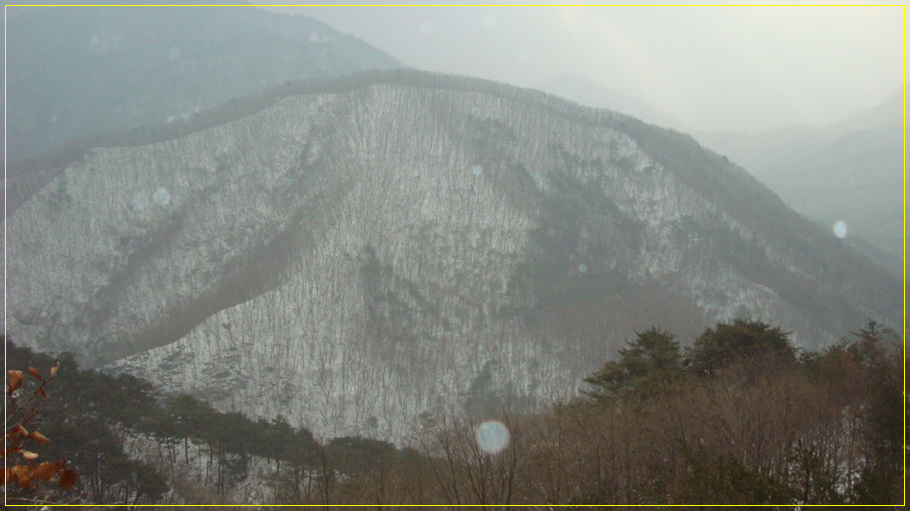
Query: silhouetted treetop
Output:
(726,343)
(647,363)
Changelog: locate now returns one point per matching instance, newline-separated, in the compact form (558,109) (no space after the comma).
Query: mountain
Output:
(359,253)
(584,91)
(74,72)
(850,171)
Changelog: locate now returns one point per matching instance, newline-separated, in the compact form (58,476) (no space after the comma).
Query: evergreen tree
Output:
(726,343)
(645,366)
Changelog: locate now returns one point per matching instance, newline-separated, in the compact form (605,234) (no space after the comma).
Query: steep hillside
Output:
(850,171)
(356,254)
(73,72)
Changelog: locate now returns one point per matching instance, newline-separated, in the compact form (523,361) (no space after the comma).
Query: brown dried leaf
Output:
(42,393)
(22,475)
(34,372)
(46,470)
(29,455)
(38,437)
(13,381)
(67,478)
(54,369)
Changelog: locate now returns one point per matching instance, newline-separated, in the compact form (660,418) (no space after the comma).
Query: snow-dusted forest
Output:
(411,244)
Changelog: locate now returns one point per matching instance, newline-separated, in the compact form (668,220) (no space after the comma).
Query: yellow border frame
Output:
(904,333)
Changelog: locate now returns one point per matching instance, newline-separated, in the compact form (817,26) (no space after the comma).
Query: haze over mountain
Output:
(850,171)
(355,253)
(74,72)
(585,92)
(747,69)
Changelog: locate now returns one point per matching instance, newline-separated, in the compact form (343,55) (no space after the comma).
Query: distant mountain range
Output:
(353,253)
(75,72)
(849,171)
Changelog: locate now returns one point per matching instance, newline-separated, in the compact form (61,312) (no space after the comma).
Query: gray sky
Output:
(713,68)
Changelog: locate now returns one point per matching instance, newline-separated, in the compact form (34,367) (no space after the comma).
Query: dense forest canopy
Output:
(740,417)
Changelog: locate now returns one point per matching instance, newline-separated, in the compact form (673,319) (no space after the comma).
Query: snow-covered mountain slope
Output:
(359,256)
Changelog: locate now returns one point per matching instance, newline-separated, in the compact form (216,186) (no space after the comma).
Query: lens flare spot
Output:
(583,268)
(161,197)
(492,436)
(840,229)
(318,38)
(477,170)
(426,28)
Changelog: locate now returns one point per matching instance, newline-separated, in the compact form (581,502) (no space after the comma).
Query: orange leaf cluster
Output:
(14,378)
(26,475)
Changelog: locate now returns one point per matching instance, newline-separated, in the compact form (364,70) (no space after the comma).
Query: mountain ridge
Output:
(79,71)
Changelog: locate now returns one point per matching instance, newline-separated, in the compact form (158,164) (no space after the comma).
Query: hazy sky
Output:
(738,68)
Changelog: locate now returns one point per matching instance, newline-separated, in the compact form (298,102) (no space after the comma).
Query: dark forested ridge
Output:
(740,417)
(76,72)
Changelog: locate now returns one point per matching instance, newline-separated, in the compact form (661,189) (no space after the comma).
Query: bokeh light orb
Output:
(840,229)
(492,436)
